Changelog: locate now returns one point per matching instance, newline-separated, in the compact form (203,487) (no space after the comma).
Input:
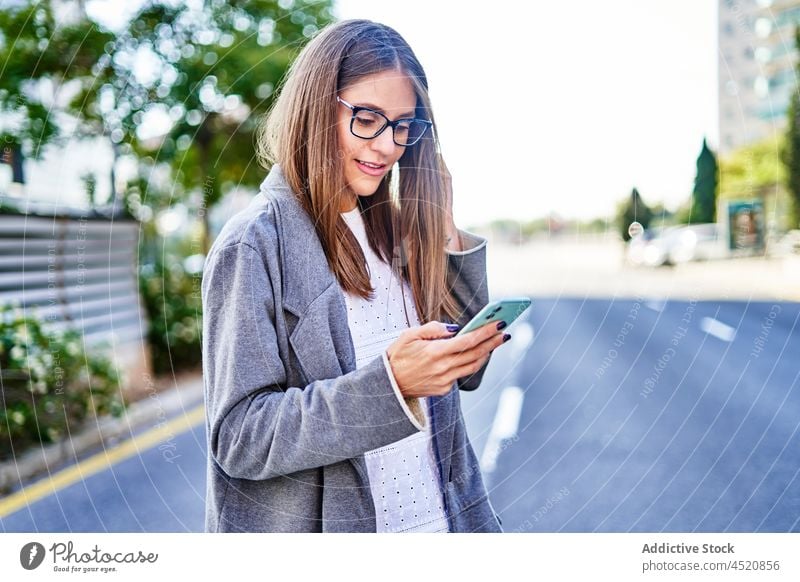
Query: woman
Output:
(330,407)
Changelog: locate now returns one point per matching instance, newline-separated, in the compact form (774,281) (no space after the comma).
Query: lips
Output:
(371,170)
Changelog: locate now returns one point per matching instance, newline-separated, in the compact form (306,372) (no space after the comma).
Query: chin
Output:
(364,187)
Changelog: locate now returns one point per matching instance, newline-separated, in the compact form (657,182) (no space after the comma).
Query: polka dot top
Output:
(403,476)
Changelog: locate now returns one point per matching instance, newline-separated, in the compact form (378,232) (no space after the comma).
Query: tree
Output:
(635,210)
(704,195)
(202,75)
(791,156)
(759,170)
(754,169)
(215,72)
(48,60)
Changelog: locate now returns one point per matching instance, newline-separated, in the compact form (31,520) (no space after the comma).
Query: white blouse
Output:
(403,476)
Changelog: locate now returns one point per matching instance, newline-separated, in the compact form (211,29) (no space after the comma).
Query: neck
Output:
(349,204)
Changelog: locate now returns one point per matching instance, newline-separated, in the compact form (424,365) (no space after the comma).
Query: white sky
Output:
(592,98)
(546,107)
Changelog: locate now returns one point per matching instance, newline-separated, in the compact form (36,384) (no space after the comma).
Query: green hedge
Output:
(173,301)
(50,383)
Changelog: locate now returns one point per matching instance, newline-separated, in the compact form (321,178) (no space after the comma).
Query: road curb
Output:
(107,431)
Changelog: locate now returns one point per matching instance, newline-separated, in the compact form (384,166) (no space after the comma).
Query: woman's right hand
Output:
(422,367)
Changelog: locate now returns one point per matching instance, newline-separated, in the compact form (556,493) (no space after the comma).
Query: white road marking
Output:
(521,339)
(504,427)
(718,329)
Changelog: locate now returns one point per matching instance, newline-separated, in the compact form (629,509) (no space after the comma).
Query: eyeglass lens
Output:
(367,125)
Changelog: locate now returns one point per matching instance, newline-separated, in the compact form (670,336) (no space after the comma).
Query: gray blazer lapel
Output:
(321,335)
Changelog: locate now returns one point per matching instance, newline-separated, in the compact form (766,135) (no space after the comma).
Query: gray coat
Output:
(289,416)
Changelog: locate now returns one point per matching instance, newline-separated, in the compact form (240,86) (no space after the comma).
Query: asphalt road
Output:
(159,489)
(626,415)
(647,416)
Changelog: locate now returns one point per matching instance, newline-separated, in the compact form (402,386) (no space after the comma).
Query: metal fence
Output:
(77,272)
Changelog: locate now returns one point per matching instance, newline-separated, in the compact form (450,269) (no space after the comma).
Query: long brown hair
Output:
(405,218)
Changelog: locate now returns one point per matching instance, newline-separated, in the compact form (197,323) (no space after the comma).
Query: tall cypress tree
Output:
(704,196)
(791,155)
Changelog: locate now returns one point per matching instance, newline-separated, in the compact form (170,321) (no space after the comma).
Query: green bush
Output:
(50,384)
(172,298)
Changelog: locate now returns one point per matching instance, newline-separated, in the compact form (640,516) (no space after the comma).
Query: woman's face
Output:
(391,93)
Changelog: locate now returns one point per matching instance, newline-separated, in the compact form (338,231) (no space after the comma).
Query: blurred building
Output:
(756,76)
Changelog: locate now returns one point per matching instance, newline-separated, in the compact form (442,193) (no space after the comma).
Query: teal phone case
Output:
(507,309)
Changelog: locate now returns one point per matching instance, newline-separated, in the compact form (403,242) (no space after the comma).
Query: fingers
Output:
(479,352)
(430,367)
(433,330)
(470,340)
(467,369)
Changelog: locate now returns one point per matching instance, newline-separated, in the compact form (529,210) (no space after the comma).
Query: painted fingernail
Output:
(501,325)
(506,337)
(452,327)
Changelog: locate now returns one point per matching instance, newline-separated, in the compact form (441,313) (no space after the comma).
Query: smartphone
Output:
(507,310)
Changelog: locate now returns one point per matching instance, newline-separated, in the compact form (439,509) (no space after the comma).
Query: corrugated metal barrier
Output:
(78,272)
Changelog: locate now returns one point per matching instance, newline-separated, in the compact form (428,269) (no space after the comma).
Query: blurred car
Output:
(676,244)
(697,242)
(651,247)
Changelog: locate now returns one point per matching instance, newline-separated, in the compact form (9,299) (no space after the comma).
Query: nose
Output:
(384,143)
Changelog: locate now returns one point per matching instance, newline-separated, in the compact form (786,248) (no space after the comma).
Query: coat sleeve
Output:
(258,427)
(468,282)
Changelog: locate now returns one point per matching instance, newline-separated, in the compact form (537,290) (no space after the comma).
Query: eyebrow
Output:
(405,115)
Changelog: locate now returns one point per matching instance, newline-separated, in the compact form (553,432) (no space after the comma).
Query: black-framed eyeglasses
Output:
(367,123)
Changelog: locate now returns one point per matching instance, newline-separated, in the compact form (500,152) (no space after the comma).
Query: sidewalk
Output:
(593,266)
(161,399)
